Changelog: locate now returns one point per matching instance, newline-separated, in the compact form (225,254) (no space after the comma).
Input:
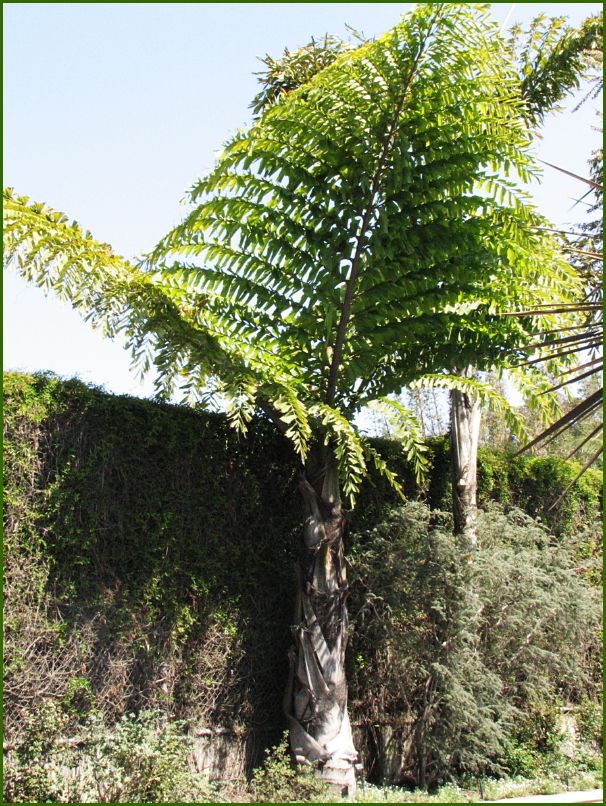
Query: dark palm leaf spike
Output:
(580,411)
(586,336)
(593,185)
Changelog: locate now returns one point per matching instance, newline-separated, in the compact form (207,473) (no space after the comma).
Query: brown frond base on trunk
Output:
(316,699)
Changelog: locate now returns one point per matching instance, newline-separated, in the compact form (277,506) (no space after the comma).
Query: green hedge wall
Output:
(150,551)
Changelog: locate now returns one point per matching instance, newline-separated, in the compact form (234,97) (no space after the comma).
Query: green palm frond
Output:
(294,417)
(484,392)
(347,445)
(552,59)
(111,292)
(364,231)
(292,69)
(407,430)
(535,387)
(372,456)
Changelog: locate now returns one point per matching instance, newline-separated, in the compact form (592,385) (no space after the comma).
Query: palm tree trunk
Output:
(465,416)
(316,698)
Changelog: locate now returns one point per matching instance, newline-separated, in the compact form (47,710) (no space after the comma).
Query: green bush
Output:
(142,759)
(30,775)
(521,761)
(279,781)
(535,484)
(470,660)
(589,717)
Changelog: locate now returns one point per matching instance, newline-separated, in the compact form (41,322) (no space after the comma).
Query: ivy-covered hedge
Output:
(153,551)
(534,484)
(150,552)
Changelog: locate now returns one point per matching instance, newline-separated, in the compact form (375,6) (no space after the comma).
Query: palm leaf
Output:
(341,246)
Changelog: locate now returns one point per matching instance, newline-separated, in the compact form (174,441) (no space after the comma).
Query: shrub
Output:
(521,761)
(142,759)
(589,718)
(278,781)
(469,662)
(30,776)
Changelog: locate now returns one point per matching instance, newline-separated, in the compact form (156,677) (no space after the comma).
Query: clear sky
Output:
(111,110)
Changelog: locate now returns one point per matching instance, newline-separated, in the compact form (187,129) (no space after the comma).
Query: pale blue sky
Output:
(111,110)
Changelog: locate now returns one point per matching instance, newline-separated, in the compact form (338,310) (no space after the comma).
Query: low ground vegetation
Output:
(145,759)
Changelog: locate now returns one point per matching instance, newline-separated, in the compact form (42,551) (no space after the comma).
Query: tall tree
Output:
(583,339)
(551,59)
(553,63)
(361,233)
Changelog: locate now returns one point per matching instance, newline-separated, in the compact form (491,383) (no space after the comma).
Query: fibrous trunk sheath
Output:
(316,699)
(465,415)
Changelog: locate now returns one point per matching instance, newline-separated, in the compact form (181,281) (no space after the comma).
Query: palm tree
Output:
(361,233)
(581,338)
(554,60)
(551,59)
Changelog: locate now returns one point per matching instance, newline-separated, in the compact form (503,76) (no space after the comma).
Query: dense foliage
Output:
(342,246)
(141,545)
(141,548)
(144,758)
(468,659)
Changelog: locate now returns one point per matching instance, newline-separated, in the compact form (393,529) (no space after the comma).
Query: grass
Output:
(492,790)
